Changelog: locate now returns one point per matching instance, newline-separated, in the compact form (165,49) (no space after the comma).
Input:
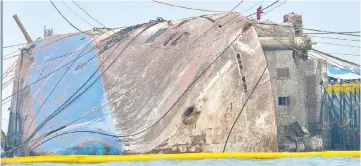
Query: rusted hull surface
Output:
(136,91)
(151,85)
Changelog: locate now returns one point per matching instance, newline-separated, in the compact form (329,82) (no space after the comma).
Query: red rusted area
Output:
(188,76)
(246,27)
(184,81)
(30,114)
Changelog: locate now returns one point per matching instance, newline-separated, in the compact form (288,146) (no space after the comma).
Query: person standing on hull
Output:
(259,11)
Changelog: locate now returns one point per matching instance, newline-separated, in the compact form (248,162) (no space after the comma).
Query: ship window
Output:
(283,100)
(155,35)
(239,61)
(171,37)
(282,73)
(244,84)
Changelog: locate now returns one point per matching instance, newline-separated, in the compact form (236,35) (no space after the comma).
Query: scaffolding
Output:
(341,113)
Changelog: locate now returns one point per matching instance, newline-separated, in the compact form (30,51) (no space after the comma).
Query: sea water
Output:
(306,161)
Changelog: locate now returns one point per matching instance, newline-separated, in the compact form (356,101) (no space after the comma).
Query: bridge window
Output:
(283,100)
(282,73)
(155,35)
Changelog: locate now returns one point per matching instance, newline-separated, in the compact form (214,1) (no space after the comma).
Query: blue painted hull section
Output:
(344,73)
(68,141)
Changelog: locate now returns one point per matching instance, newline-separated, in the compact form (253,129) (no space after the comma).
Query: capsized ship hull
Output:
(192,85)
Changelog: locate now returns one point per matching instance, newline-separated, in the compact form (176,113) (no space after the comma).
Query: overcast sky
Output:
(323,15)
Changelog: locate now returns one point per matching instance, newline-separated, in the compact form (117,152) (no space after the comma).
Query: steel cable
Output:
(89,14)
(56,84)
(243,106)
(70,100)
(77,14)
(113,61)
(67,19)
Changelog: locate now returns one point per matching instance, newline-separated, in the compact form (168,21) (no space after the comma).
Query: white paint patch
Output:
(176,22)
(107,34)
(260,121)
(244,47)
(339,67)
(216,92)
(75,126)
(121,95)
(155,28)
(215,78)
(348,76)
(146,69)
(155,112)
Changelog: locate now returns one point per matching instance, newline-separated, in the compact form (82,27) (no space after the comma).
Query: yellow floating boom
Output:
(344,88)
(88,159)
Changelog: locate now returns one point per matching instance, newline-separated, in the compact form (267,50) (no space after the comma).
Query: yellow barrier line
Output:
(183,156)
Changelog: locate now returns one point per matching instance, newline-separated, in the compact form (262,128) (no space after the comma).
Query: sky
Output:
(339,16)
